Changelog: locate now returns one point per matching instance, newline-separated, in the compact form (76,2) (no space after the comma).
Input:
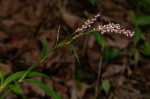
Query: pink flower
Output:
(111,27)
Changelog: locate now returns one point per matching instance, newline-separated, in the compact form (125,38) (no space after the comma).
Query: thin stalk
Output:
(68,40)
(32,67)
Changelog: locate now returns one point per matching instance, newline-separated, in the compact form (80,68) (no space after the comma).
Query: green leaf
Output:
(46,88)
(145,20)
(31,68)
(137,35)
(110,54)
(3,95)
(106,86)
(1,77)
(135,53)
(93,2)
(100,39)
(44,50)
(16,88)
(10,79)
(16,76)
(146,48)
(32,74)
(75,53)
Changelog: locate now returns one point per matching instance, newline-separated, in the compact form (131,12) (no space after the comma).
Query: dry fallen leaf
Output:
(6,68)
(113,69)
(76,92)
(118,41)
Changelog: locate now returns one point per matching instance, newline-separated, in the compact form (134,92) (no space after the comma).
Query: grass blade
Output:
(16,76)
(46,88)
(44,50)
(17,90)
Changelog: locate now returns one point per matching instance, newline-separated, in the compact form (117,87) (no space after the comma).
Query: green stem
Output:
(68,40)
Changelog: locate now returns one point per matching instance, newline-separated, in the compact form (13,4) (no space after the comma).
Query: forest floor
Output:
(121,72)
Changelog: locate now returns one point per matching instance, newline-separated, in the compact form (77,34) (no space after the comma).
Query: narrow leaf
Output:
(46,88)
(44,50)
(16,76)
(32,74)
(75,53)
(16,88)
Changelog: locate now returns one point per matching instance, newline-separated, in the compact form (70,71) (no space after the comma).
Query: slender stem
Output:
(68,40)
(32,67)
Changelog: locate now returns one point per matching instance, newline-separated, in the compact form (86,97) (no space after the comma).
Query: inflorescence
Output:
(88,23)
(111,27)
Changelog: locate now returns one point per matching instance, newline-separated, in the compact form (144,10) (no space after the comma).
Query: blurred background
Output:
(112,66)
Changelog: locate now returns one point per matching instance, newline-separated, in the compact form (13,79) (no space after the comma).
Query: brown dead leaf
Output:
(94,58)
(123,94)
(118,41)
(113,69)
(91,41)
(8,7)
(117,81)
(6,68)
(142,74)
(76,91)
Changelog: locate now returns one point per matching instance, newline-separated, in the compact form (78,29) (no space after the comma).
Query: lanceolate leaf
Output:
(44,50)
(16,88)
(16,76)
(46,88)
(31,74)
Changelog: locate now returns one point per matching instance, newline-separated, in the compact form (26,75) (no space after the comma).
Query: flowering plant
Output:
(83,30)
